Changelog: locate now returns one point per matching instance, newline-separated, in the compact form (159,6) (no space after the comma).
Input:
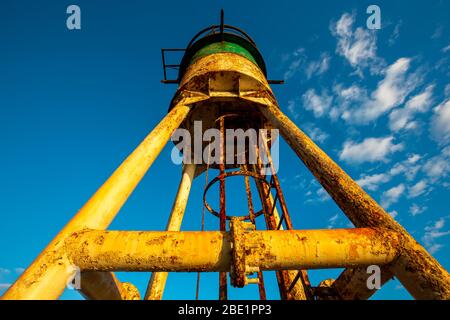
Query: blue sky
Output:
(74,104)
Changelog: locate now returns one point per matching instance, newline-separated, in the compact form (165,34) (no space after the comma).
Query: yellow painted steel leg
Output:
(106,286)
(46,277)
(211,251)
(418,271)
(352,283)
(157,282)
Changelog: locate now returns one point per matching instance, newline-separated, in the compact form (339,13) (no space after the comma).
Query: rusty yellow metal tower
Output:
(222,82)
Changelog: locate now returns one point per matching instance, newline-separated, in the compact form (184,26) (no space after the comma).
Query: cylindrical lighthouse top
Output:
(223,68)
(221,39)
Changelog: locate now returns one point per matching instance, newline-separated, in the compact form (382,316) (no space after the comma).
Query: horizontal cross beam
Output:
(97,250)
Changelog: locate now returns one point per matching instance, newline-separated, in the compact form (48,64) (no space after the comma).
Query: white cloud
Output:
(447,90)
(299,183)
(371,182)
(4,271)
(390,92)
(357,46)
(323,194)
(316,192)
(369,150)
(408,167)
(315,133)
(393,213)
(435,248)
(318,135)
(296,60)
(7,272)
(19,270)
(332,221)
(438,166)
(356,105)
(445,49)
(418,189)
(413,158)
(442,66)
(318,67)
(395,33)
(352,93)
(318,104)
(435,168)
(333,218)
(440,123)
(433,232)
(403,118)
(414,210)
(292,107)
(347,99)
(392,195)
(437,32)
(4,286)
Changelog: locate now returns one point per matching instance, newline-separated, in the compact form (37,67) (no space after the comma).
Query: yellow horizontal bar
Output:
(211,251)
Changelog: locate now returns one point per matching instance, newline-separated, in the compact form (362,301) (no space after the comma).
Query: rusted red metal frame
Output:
(223,219)
(261,287)
(169,66)
(282,276)
(274,182)
(226,175)
(282,279)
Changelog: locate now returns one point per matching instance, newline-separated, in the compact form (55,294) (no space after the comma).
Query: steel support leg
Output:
(158,280)
(46,277)
(417,270)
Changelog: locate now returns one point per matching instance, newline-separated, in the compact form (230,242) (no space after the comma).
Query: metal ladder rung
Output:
(271,182)
(281,222)
(294,282)
(274,204)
